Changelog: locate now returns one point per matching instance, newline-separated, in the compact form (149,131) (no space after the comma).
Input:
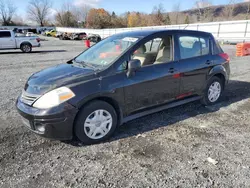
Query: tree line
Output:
(41,12)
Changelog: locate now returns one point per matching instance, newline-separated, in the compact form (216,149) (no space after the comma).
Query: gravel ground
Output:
(166,149)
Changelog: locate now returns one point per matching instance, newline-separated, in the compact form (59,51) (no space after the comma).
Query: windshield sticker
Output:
(130,39)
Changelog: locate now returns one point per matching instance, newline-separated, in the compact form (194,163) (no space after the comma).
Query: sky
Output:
(121,6)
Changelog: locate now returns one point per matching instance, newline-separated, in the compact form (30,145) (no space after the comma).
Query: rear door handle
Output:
(171,70)
(208,62)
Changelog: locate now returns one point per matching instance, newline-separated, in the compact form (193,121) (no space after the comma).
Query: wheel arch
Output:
(26,42)
(222,78)
(114,103)
(220,72)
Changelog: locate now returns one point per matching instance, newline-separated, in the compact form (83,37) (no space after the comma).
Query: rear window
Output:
(5,34)
(191,46)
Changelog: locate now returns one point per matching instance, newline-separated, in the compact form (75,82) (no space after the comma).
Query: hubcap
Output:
(214,92)
(26,48)
(98,124)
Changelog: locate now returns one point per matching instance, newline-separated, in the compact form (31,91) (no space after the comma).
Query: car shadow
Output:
(33,52)
(234,92)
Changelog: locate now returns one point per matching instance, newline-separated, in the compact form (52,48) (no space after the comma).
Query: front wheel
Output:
(213,91)
(26,48)
(96,122)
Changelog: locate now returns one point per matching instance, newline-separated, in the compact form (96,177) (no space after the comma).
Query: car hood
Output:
(57,76)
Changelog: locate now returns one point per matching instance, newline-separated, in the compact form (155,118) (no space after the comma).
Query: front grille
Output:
(28,98)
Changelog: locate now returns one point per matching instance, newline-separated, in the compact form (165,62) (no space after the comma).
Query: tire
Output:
(26,48)
(98,39)
(48,35)
(215,84)
(90,131)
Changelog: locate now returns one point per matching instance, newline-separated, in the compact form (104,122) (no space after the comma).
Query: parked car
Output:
(65,36)
(28,34)
(8,40)
(78,36)
(58,34)
(51,33)
(94,38)
(121,78)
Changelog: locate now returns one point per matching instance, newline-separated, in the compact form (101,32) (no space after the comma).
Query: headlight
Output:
(54,98)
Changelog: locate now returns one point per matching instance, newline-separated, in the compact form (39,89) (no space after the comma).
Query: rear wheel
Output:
(213,91)
(26,48)
(96,122)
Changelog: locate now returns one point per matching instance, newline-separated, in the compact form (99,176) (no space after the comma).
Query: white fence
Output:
(230,31)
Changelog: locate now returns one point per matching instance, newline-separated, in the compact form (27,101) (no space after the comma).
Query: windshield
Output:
(106,52)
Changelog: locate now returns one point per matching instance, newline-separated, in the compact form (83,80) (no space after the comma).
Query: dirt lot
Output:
(167,149)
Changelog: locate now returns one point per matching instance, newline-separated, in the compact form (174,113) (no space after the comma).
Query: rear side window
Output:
(191,46)
(5,34)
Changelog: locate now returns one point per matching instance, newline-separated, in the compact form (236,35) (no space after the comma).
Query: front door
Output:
(155,83)
(7,42)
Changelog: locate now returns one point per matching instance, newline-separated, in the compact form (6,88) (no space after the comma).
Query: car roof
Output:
(145,33)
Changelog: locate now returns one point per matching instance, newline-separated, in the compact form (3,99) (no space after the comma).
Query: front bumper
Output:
(55,123)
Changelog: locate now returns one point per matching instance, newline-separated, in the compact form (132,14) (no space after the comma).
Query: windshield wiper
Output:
(91,66)
(84,64)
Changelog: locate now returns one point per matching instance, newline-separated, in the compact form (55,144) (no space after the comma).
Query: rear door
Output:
(195,62)
(6,40)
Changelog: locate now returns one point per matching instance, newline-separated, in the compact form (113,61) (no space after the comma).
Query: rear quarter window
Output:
(217,48)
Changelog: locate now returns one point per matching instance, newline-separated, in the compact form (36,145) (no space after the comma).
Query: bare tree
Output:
(248,9)
(70,15)
(203,7)
(39,10)
(229,9)
(176,12)
(65,16)
(81,12)
(7,11)
(157,16)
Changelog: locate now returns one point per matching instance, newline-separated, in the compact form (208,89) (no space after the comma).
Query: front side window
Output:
(5,34)
(106,52)
(191,46)
(155,51)
(153,45)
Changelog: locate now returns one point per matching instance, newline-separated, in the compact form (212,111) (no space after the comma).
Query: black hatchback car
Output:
(123,77)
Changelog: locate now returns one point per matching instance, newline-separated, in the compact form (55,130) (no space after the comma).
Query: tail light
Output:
(38,39)
(225,56)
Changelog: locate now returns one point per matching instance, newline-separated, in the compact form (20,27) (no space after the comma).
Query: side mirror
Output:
(133,66)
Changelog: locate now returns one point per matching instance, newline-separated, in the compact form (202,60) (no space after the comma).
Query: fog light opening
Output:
(41,128)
